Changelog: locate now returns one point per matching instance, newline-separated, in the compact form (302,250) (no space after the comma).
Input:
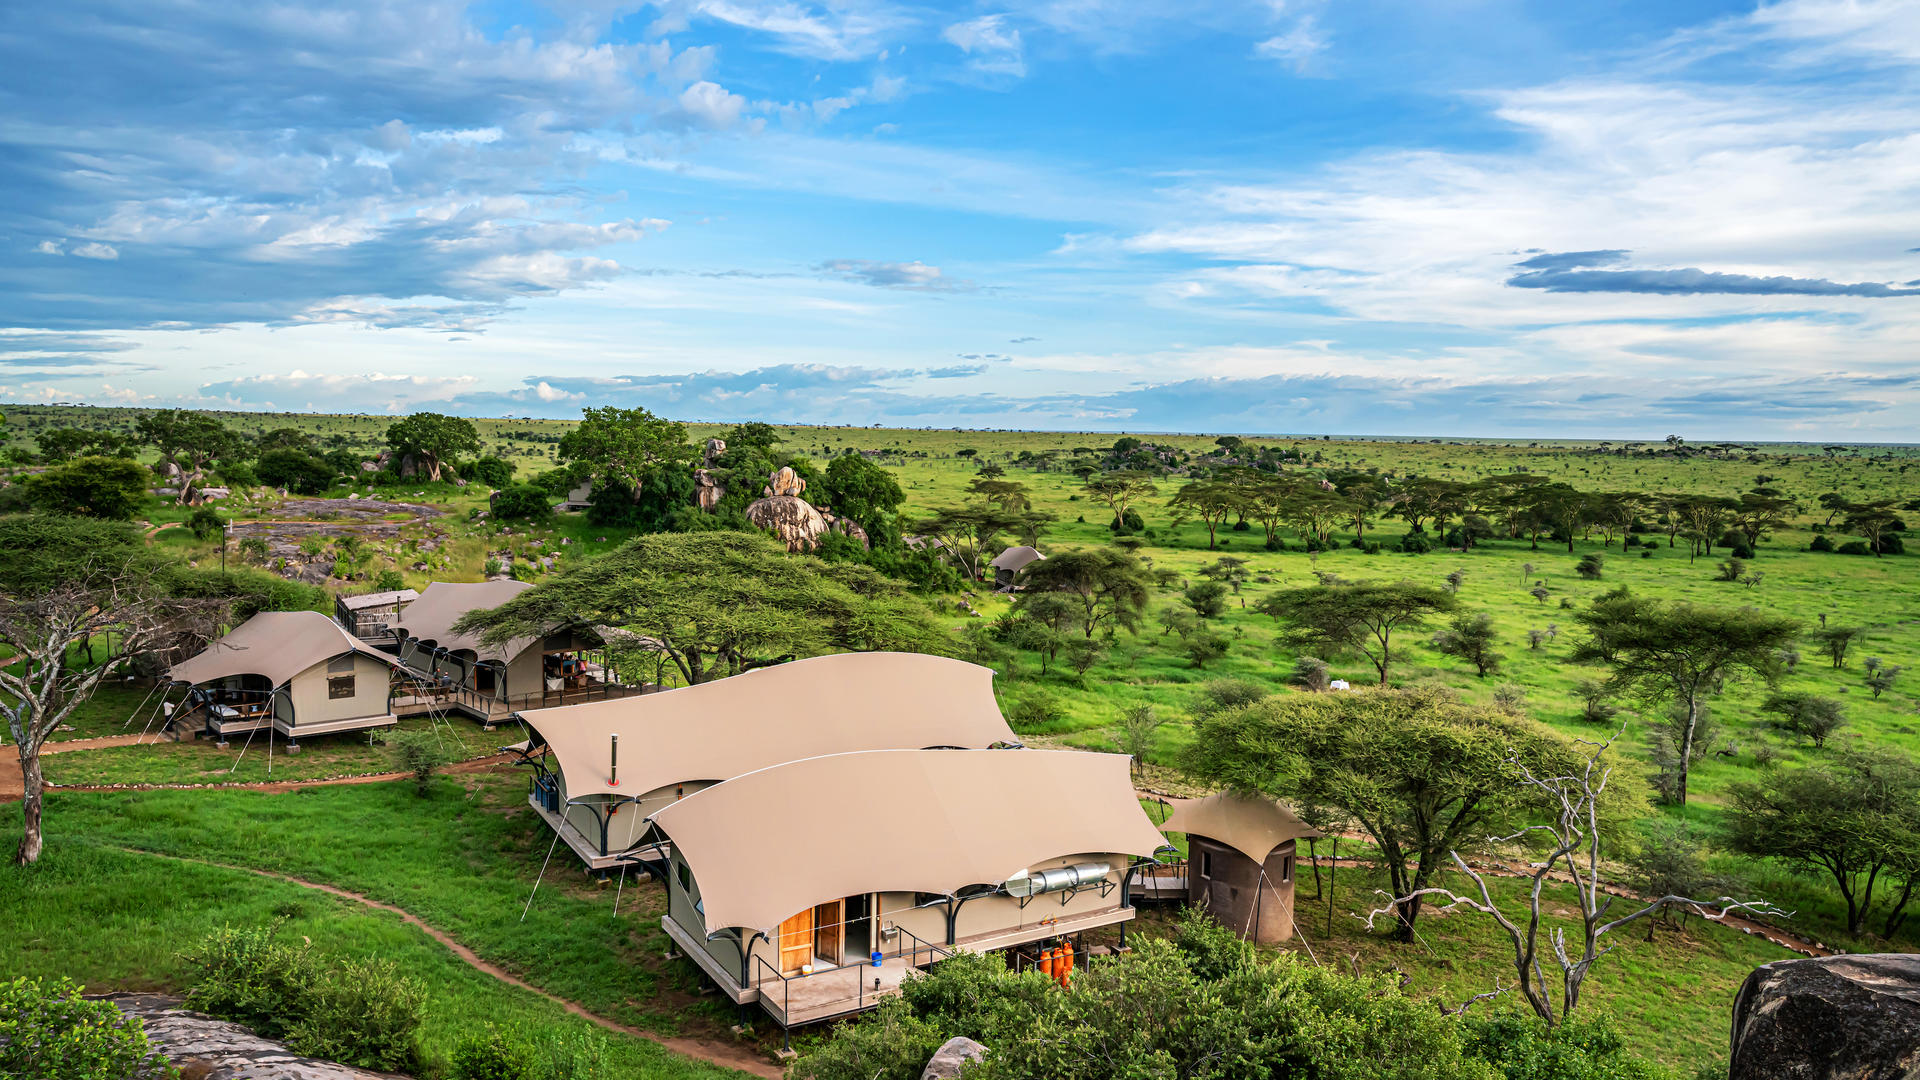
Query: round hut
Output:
(1240,861)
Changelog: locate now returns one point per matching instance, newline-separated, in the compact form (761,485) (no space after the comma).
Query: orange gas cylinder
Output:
(1065,967)
(1046,962)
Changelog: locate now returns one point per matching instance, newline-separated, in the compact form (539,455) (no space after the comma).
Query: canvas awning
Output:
(431,617)
(1254,827)
(775,842)
(378,599)
(276,645)
(1016,559)
(822,705)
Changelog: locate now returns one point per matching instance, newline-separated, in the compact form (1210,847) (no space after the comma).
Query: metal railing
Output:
(910,954)
(488,704)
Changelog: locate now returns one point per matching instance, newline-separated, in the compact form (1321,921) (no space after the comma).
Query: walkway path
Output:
(745,1059)
(13,786)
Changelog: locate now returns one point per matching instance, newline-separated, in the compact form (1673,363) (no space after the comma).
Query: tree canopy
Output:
(1420,771)
(433,437)
(1106,585)
(624,446)
(719,603)
(101,487)
(1357,616)
(1679,653)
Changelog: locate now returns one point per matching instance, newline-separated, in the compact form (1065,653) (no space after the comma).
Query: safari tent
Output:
(1011,563)
(601,768)
(485,681)
(812,887)
(1240,861)
(296,671)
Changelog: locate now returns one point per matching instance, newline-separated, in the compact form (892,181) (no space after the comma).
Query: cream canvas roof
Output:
(1254,827)
(823,705)
(275,644)
(1016,558)
(769,844)
(378,599)
(431,617)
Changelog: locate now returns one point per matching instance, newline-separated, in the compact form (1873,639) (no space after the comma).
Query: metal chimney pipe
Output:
(613,755)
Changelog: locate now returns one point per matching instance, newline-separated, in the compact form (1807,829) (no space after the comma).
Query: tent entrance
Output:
(796,942)
(859,926)
(826,932)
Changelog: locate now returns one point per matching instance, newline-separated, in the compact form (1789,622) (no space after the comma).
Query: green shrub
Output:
(419,753)
(523,502)
(1415,543)
(1581,1048)
(1820,543)
(389,581)
(492,471)
(1033,711)
(205,523)
(245,975)
(492,1054)
(363,1013)
(1854,547)
(48,1030)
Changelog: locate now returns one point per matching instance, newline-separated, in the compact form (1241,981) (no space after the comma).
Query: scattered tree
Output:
(432,440)
(1471,637)
(1808,716)
(1359,617)
(1110,586)
(113,488)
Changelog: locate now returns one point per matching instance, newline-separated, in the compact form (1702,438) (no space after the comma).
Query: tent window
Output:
(339,664)
(340,686)
(1206,864)
(686,878)
(1286,869)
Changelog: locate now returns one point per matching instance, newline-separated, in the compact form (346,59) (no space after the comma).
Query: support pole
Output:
(543,873)
(613,759)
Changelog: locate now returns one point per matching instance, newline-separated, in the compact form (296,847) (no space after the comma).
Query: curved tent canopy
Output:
(276,645)
(431,617)
(1252,826)
(930,821)
(1016,559)
(822,705)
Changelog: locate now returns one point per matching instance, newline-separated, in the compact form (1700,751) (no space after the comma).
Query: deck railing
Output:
(911,953)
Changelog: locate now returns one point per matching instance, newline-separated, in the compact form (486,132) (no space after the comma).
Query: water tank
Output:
(1061,877)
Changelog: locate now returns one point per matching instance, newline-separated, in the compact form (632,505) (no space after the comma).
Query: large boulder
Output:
(707,488)
(784,481)
(954,1054)
(791,519)
(1829,1018)
(419,467)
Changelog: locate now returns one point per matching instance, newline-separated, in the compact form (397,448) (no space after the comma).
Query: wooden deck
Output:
(329,727)
(588,848)
(417,700)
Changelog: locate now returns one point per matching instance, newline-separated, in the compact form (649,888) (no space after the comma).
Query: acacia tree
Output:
(1419,770)
(623,447)
(432,440)
(1574,800)
(965,532)
(1105,584)
(1357,616)
(1120,488)
(1210,501)
(1855,816)
(1874,521)
(65,583)
(189,441)
(1472,638)
(719,603)
(1680,654)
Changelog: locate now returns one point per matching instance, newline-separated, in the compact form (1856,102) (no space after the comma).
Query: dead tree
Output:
(1573,840)
(41,687)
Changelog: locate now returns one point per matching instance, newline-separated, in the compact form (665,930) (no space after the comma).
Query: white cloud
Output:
(711,105)
(1297,46)
(991,44)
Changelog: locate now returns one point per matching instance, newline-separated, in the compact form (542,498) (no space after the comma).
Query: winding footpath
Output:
(728,1056)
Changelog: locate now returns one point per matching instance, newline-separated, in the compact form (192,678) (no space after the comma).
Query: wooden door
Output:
(826,932)
(796,942)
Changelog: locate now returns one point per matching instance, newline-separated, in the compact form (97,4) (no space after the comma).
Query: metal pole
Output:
(542,874)
(613,755)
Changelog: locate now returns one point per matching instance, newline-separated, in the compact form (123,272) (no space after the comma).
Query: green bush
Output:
(1415,543)
(1820,543)
(524,502)
(300,473)
(245,975)
(507,1054)
(205,523)
(492,471)
(48,1030)
(420,753)
(1033,711)
(1854,547)
(363,1013)
(389,581)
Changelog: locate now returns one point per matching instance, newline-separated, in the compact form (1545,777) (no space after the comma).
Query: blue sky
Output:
(1450,217)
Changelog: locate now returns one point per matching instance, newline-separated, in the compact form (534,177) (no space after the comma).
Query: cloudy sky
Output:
(1440,217)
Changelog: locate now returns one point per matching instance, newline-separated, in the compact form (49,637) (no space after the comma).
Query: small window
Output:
(1286,869)
(340,686)
(1206,864)
(686,878)
(339,664)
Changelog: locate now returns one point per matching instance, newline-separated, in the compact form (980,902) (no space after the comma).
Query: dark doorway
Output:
(859,927)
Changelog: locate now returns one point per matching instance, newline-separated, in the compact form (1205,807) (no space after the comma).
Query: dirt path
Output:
(717,1053)
(12,788)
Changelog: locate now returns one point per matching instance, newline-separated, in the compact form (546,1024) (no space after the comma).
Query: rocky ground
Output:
(210,1049)
(297,520)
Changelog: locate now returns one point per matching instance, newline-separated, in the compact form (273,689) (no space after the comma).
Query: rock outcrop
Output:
(846,527)
(784,482)
(792,520)
(954,1054)
(220,1050)
(1829,1018)
(707,488)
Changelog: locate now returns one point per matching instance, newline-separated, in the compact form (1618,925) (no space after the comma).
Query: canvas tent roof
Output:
(378,599)
(897,821)
(275,644)
(431,617)
(1254,827)
(823,705)
(1016,559)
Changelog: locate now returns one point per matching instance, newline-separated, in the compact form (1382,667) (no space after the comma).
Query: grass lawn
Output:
(463,859)
(201,761)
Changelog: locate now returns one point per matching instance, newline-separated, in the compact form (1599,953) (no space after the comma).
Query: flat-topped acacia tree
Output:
(719,603)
